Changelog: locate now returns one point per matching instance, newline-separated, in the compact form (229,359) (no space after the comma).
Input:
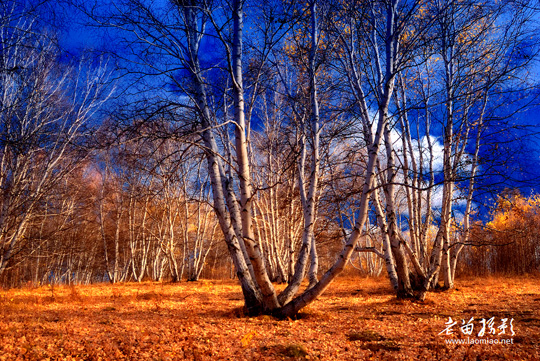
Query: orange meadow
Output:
(356,319)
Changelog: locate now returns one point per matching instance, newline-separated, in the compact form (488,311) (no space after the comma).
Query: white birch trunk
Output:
(218,179)
(269,297)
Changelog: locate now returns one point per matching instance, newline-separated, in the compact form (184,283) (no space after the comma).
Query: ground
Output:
(357,319)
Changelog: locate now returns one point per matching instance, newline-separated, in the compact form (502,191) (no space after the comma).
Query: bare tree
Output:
(473,53)
(43,109)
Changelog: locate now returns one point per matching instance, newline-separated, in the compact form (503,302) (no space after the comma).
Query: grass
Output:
(355,319)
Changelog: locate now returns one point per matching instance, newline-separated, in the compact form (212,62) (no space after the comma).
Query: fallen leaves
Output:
(247,338)
(204,321)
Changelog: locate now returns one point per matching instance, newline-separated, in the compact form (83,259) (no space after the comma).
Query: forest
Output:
(277,146)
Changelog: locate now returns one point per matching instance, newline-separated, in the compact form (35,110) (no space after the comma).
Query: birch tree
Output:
(419,37)
(378,40)
(44,106)
(277,207)
(177,38)
(455,90)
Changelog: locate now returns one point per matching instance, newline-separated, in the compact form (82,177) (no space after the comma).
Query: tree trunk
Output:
(388,258)
(404,285)
(269,297)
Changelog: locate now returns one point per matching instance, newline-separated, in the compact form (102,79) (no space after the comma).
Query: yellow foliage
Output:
(515,211)
(247,338)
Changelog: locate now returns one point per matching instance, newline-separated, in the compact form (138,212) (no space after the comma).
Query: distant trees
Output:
(508,243)
(278,212)
(44,107)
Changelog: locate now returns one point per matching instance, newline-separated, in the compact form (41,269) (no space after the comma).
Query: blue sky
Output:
(520,147)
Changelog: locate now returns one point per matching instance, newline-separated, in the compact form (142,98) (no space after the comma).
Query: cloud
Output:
(427,148)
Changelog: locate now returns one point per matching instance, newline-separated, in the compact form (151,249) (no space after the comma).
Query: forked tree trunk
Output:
(308,198)
(404,285)
(259,293)
(292,308)
(218,178)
